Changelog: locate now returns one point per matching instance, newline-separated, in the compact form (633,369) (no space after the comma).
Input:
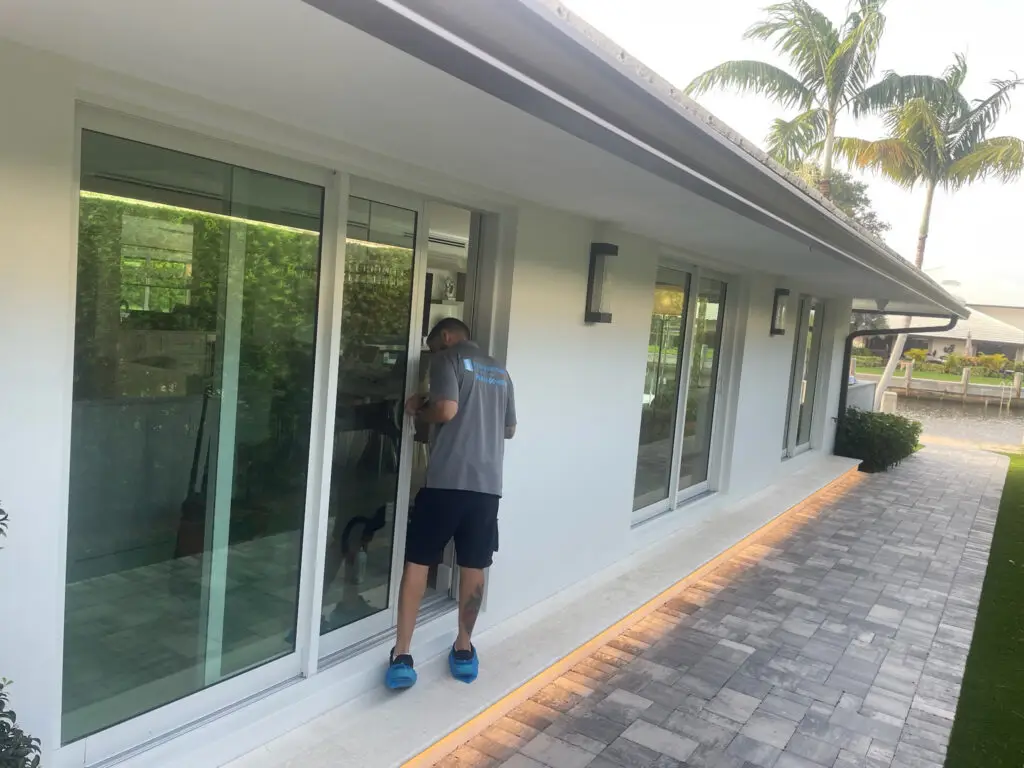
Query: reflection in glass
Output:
(193,371)
(661,389)
(376,312)
(809,380)
(703,385)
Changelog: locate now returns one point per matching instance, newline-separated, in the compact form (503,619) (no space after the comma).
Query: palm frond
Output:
(790,142)
(896,159)
(853,62)
(956,73)
(981,118)
(917,123)
(803,34)
(754,77)
(895,90)
(1000,158)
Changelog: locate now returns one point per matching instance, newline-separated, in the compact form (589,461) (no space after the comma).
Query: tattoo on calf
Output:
(469,612)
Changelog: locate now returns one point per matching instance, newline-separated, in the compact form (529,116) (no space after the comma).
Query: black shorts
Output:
(440,515)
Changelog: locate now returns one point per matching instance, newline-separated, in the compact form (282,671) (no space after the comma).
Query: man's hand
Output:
(415,404)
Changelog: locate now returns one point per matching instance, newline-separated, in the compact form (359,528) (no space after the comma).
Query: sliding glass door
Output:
(675,452)
(370,429)
(215,372)
(804,382)
(654,466)
(195,331)
(702,389)
(407,264)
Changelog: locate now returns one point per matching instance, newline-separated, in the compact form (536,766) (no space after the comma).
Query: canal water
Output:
(966,424)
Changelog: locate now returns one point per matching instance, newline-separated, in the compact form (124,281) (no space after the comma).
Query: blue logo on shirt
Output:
(490,374)
(467,364)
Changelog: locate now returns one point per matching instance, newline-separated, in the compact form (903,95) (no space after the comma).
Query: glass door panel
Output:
(661,388)
(195,327)
(703,383)
(804,380)
(809,380)
(452,240)
(794,401)
(369,423)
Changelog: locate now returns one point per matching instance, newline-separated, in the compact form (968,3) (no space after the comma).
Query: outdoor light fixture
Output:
(779,312)
(597,288)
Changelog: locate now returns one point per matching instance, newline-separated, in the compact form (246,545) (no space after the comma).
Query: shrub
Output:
(17,748)
(932,368)
(868,361)
(993,364)
(953,364)
(917,355)
(879,440)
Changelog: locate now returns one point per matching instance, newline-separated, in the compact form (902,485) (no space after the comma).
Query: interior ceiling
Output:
(290,62)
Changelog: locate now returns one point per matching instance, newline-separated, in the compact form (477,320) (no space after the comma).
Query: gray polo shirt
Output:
(467,453)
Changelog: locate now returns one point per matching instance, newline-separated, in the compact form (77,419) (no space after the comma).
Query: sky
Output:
(979,230)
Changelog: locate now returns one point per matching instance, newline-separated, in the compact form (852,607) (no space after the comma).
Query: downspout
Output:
(844,386)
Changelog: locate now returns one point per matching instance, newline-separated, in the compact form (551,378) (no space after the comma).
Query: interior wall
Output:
(37,216)
(569,473)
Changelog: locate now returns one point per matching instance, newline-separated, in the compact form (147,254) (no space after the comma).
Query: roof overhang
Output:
(540,58)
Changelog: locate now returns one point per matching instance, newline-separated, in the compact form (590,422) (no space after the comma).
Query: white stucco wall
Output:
(571,468)
(37,218)
(764,369)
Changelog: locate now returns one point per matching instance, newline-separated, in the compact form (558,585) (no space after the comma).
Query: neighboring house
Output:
(224,228)
(1000,296)
(984,335)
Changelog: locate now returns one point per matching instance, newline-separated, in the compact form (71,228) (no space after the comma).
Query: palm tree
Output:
(831,66)
(939,139)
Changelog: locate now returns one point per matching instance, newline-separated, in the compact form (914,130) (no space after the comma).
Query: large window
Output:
(195,331)
(804,382)
(674,457)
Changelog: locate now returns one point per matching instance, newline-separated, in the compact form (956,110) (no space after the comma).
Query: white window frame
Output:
(678,497)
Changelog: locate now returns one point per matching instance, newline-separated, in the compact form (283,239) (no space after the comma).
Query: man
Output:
(471,411)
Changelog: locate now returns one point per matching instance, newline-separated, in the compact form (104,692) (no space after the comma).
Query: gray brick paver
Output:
(841,643)
(734,705)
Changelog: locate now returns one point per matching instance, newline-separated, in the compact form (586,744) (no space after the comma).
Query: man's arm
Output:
(443,404)
(510,409)
(437,411)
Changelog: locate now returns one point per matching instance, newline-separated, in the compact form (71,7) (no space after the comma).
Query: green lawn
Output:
(989,728)
(976,378)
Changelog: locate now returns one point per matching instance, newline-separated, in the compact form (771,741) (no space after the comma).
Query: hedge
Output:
(880,441)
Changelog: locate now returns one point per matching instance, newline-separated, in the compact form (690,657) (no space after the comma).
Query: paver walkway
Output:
(839,642)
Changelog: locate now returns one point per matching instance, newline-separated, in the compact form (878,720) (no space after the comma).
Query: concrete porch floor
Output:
(837,640)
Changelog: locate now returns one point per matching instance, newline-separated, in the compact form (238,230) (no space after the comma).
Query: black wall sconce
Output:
(597,288)
(779,312)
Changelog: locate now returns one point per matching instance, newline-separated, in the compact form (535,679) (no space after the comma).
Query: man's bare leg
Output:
(410,595)
(471,597)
